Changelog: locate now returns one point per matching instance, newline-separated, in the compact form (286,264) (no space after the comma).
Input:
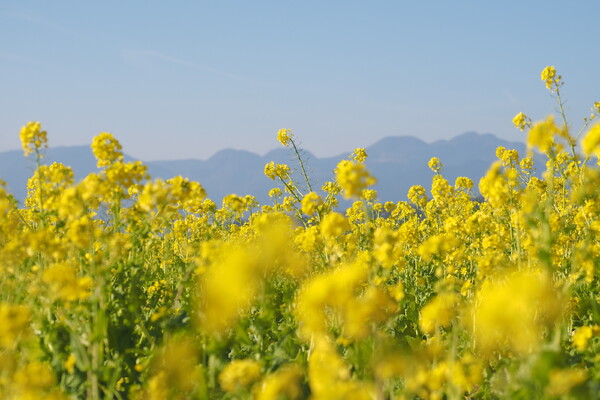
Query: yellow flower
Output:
(541,135)
(65,285)
(468,373)
(549,76)
(329,377)
(284,136)
(152,194)
(435,164)
(563,380)
(463,183)
(234,202)
(359,155)
(438,313)
(526,164)
(285,382)
(239,374)
(82,231)
(106,149)
(14,321)
(386,247)
(548,73)
(353,178)
(273,171)
(521,121)
(369,194)
(591,141)
(229,286)
(179,359)
(582,336)
(275,192)
(70,364)
(310,203)
(417,195)
(334,289)
(331,188)
(33,137)
(325,367)
(509,314)
(35,375)
(334,225)
(360,313)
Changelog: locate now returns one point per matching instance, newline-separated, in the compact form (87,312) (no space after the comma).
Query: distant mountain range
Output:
(398,162)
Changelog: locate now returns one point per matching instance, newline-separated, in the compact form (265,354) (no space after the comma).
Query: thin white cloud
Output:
(43,22)
(145,56)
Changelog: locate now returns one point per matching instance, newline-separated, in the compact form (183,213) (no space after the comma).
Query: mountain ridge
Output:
(398,162)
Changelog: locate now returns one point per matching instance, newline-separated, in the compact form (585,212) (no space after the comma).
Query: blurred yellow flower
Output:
(353,178)
(310,203)
(283,383)
(438,313)
(239,374)
(15,320)
(591,141)
(64,284)
(106,149)
(541,135)
(510,312)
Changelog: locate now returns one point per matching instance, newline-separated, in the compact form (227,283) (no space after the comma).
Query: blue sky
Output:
(184,79)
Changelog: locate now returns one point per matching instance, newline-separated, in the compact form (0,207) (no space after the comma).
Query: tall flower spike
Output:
(33,137)
(521,121)
(552,80)
(284,136)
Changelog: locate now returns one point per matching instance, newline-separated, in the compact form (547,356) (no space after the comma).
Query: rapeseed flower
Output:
(438,313)
(582,336)
(285,382)
(359,155)
(15,323)
(549,76)
(106,149)
(333,225)
(521,121)
(284,136)
(353,178)
(64,284)
(33,138)
(435,164)
(541,135)
(562,381)
(310,203)
(511,312)
(591,141)
(239,374)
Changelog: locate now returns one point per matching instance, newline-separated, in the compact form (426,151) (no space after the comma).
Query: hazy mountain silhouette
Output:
(398,162)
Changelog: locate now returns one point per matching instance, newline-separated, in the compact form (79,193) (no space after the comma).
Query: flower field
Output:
(123,287)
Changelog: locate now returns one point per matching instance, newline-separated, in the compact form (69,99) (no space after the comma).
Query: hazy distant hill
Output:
(398,162)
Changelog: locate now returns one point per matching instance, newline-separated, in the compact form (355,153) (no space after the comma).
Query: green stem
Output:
(292,189)
(38,163)
(301,164)
(561,108)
